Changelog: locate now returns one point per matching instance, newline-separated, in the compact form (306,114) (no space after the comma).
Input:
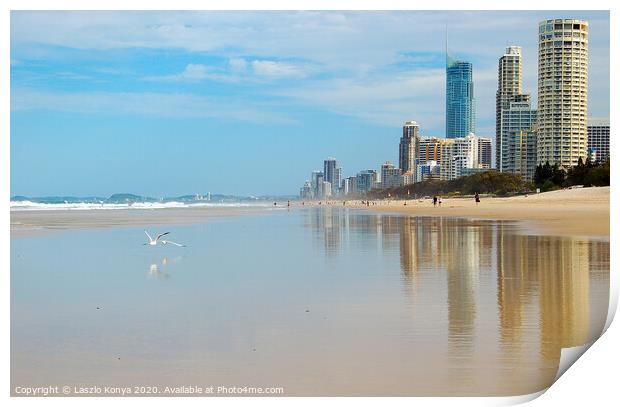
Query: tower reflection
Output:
(512,297)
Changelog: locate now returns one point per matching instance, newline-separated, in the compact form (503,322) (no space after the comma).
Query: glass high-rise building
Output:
(460,109)
(329,169)
(365,181)
(562,91)
(316,180)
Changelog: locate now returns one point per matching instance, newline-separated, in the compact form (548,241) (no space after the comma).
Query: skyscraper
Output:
(460,109)
(316,182)
(408,147)
(390,176)
(515,119)
(329,170)
(365,181)
(518,137)
(508,85)
(562,91)
(337,181)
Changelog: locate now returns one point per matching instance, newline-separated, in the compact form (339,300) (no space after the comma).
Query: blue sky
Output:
(167,103)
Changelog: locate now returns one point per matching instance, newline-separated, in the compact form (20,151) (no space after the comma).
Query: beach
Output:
(569,212)
(318,300)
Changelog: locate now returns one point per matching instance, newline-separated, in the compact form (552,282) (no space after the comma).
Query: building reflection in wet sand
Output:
(512,300)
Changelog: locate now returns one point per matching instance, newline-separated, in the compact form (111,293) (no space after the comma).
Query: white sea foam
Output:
(38,206)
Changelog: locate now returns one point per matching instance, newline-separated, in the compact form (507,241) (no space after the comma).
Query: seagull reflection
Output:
(158,269)
(155,270)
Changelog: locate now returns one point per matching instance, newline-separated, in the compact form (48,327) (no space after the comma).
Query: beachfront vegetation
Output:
(488,182)
(549,177)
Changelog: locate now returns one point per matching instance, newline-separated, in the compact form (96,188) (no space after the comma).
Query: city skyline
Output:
(75,119)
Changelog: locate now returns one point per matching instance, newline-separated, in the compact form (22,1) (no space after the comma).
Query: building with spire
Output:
(460,102)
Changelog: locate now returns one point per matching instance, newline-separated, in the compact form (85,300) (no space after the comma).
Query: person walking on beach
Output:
(435,200)
(477,198)
(439,201)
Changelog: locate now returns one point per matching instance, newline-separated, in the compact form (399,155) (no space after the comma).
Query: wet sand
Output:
(34,222)
(575,212)
(323,301)
(361,302)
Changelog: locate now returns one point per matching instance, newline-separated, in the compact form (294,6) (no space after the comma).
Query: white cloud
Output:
(275,69)
(387,99)
(171,105)
(236,71)
(238,64)
(336,39)
(192,72)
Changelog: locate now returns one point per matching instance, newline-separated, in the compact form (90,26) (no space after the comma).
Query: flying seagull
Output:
(153,242)
(171,242)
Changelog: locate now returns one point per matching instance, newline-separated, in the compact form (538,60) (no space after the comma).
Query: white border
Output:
(591,380)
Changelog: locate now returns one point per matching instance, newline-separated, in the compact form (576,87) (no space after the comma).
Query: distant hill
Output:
(124,197)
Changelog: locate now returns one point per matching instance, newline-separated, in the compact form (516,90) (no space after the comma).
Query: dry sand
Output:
(570,212)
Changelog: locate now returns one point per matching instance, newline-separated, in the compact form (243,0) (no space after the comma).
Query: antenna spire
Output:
(448,59)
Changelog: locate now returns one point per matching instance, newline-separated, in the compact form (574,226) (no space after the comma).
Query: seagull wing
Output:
(160,235)
(174,243)
(149,236)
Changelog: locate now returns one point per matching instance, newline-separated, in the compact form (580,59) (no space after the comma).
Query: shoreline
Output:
(576,212)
